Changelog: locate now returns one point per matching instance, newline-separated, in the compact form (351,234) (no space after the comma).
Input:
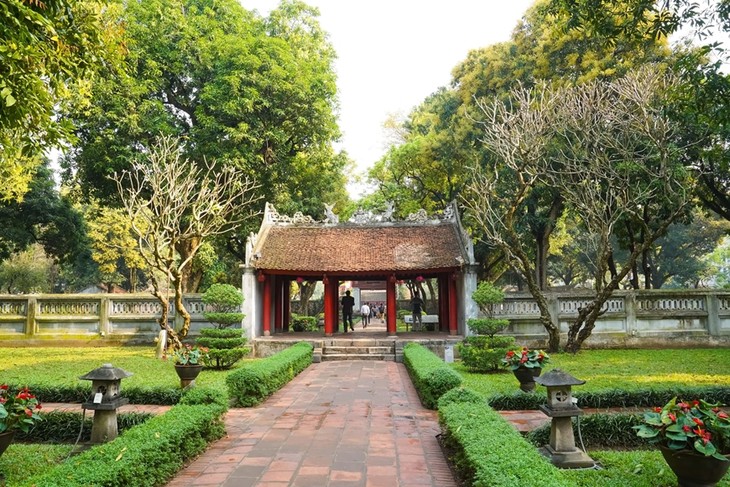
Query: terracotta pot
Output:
(527,377)
(187,374)
(6,438)
(693,469)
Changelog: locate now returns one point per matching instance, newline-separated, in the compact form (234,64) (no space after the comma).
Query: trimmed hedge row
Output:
(614,398)
(431,377)
(82,392)
(488,452)
(64,426)
(599,431)
(149,454)
(251,384)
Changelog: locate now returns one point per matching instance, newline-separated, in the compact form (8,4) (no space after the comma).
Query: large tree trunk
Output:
(306,290)
(190,278)
(179,305)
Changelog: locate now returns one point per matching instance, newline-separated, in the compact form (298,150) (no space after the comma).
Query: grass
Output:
(44,366)
(620,369)
(21,461)
(639,468)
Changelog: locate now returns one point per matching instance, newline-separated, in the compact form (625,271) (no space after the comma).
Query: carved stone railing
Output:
(657,316)
(88,315)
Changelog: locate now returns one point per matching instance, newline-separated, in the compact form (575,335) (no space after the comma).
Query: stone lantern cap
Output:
(106,372)
(558,378)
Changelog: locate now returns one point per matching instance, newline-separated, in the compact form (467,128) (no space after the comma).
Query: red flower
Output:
(4,387)
(523,359)
(672,417)
(38,406)
(698,421)
(686,428)
(722,415)
(29,413)
(510,354)
(657,409)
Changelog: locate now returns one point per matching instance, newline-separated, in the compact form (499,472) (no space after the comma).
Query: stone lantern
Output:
(105,400)
(562,451)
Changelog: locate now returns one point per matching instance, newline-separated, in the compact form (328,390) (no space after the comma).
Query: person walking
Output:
(365,313)
(348,302)
(416,305)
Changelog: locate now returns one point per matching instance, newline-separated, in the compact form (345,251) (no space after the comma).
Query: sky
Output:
(392,54)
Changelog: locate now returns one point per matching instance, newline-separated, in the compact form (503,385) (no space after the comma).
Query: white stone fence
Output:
(631,318)
(114,317)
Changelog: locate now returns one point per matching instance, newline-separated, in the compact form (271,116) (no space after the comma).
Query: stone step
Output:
(359,356)
(357,350)
(351,342)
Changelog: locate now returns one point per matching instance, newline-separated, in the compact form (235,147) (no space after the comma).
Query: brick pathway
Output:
(354,423)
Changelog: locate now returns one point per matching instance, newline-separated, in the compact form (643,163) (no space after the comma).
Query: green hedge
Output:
(147,455)
(599,431)
(81,393)
(488,452)
(251,384)
(614,398)
(431,377)
(64,426)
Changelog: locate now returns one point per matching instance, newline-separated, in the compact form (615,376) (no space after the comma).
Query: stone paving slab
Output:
(337,424)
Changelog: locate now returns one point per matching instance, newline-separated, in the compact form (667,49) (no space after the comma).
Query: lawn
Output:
(620,369)
(48,366)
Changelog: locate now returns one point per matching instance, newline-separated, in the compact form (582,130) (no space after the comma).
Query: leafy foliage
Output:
(484,353)
(146,455)
(304,323)
(225,301)
(431,377)
(254,382)
(64,426)
(226,346)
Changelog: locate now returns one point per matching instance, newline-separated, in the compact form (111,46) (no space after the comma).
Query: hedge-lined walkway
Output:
(352,423)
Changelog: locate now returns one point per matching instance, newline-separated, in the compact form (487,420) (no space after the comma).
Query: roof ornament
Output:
(361,217)
(389,209)
(418,217)
(448,213)
(330,216)
(274,216)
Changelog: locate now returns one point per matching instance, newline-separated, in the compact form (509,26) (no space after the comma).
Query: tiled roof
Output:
(355,248)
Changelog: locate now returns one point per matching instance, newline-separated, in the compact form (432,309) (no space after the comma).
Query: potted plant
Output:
(483,351)
(188,362)
(694,438)
(526,364)
(18,411)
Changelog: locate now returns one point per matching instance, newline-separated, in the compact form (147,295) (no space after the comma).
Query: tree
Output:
(610,149)
(45,48)
(171,203)
(252,93)
(114,247)
(27,271)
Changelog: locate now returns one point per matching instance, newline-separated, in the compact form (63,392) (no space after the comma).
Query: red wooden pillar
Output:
(329,317)
(287,303)
(278,305)
(453,310)
(443,302)
(266,311)
(391,312)
(335,303)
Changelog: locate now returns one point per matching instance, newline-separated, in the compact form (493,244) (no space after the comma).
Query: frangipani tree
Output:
(174,203)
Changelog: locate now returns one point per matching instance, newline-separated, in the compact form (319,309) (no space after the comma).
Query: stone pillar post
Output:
(471,310)
(713,314)
(453,305)
(630,310)
(104,325)
(30,314)
(251,303)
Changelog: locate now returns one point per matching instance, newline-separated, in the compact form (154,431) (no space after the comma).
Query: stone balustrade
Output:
(629,318)
(116,317)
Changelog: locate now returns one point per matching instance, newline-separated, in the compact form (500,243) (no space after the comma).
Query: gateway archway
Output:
(366,248)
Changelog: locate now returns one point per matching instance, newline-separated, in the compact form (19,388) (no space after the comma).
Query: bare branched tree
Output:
(611,151)
(174,203)
(518,133)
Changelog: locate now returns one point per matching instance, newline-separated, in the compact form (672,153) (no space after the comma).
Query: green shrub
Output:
(254,382)
(304,323)
(598,431)
(615,398)
(80,393)
(225,301)
(430,375)
(205,395)
(484,353)
(147,455)
(459,395)
(226,346)
(488,452)
(64,426)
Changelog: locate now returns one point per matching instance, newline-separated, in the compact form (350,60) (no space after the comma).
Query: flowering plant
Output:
(190,355)
(18,411)
(695,426)
(514,359)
